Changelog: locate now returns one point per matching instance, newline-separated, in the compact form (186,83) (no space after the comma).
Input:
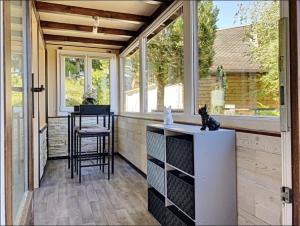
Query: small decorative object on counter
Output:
(208,121)
(90,96)
(168,119)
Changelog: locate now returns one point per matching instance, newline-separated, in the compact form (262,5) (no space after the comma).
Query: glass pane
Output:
(18,79)
(131,82)
(74,80)
(100,79)
(238,57)
(165,66)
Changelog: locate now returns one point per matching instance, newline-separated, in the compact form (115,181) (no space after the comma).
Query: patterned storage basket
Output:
(156,205)
(176,218)
(156,145)
(180,152)
(181,191)
(156,175)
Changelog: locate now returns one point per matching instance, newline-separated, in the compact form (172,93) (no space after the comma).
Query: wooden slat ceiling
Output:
(120,22)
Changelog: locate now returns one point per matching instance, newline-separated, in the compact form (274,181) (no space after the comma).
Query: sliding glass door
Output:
(19,106)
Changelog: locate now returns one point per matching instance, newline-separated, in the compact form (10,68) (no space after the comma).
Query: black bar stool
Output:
(101,132)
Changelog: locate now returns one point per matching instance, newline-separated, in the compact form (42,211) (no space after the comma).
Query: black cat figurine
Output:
(208,121)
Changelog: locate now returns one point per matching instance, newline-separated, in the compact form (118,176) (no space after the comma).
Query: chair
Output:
(102,151)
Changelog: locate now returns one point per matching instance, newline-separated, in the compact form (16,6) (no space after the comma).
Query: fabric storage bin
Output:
(180,152)
(181,191)
(156,175)
(156,145)
(156,205)
(176,218)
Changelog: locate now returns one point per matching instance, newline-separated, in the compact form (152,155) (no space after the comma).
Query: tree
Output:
(207,19)
(165,58)
(263,33)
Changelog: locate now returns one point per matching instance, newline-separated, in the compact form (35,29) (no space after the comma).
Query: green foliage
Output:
(207,19)
(264,46)
(74,89)
(74,66)
(165,58)
(100,79)
(74,82)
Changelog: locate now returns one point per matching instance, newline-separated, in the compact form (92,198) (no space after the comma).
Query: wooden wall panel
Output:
(258,169)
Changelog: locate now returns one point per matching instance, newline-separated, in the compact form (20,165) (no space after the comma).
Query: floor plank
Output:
(96,201)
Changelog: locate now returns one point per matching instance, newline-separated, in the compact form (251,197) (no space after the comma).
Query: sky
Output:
(227,11)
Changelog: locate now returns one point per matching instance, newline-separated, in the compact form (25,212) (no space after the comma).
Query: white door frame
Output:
(285,114)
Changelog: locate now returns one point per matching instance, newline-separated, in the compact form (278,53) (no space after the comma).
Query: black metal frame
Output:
(75,155)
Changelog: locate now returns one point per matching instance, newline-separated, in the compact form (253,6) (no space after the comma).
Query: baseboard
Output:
(132,165)
(117,154)
(25,217)
(58,157)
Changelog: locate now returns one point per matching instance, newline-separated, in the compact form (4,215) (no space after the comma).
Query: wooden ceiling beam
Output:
(84,28)
(67,9)
(60,38)
(153,17)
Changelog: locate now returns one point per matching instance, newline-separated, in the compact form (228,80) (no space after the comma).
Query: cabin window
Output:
(131,81)
(74,80)
(164,54)
(238,50)
(81,73)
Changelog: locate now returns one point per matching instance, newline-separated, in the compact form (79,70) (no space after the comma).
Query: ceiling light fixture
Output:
(96,24)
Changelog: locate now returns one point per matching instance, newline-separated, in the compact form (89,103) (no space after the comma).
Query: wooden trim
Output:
(7,115)
(257,132)
(83,40)
(84,28)
(153,17)
(294,7)
(67,9)
(132,165)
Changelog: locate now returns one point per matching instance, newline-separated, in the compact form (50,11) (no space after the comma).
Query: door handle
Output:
(38,89)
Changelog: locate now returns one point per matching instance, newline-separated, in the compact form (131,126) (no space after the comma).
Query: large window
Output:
(165,81)
(238,57)
(131,82)
(84,73)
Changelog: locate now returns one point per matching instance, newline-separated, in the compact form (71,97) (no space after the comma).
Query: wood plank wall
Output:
(258,169)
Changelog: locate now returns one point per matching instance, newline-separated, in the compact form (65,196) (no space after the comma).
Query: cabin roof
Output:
(232,51)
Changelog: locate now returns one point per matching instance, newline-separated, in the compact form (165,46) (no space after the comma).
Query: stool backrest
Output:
(96,110)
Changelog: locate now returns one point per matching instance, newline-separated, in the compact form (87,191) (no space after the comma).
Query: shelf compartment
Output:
(180,152)
(156,175)
(156,145)
(181,191)
(176,218)
(156,205)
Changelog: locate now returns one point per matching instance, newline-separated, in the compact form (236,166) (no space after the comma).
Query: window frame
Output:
(88,56)
(262,123)
(135,45)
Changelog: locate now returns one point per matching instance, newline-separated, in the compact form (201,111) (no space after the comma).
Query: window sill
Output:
(264,124)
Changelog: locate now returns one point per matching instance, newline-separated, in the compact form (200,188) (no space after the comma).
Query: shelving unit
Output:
(191,175)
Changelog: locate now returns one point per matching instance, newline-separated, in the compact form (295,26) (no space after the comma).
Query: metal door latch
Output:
(286,195)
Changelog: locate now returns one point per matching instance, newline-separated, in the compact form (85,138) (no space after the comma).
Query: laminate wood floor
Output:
(96,201)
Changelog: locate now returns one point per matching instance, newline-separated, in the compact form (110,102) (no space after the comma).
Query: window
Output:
(74,79)
(131,82)
(80,73)
(165,80)
(100,79)
(238,57)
